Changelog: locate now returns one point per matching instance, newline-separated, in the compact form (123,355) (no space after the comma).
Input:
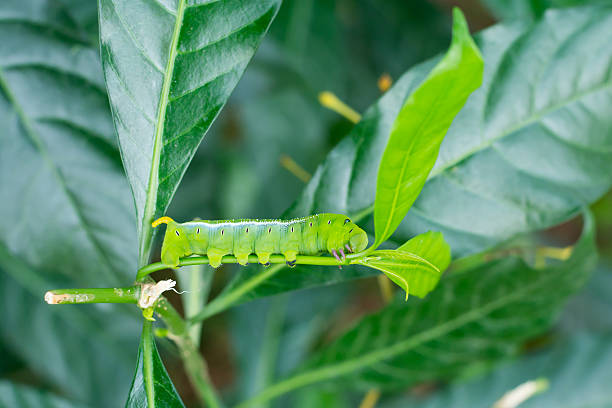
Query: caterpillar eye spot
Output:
(311,224)
(328,222)
(269,230)
(351,230)
(177,233)
(247,230)
(347,221)
(291,229)
(222,231)
(198,231)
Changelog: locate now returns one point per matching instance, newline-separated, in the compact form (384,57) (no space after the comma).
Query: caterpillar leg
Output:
(290,257)
(335,254)
(243,259)
(214,257)
(264,258)
(170,258)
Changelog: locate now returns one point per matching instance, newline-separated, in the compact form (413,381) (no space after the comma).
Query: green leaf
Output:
(546,87)
(151,386)
(69,205)
(415,275)
(532,9)
(578,370)
(13,395)
(420,127)
(87,350)
(430,246)
(169,68)
(415,266)
(475,316)
(69,220)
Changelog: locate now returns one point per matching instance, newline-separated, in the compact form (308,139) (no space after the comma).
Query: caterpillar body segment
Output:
(332,233)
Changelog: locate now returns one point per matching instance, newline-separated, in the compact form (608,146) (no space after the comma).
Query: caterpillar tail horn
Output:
(162,220)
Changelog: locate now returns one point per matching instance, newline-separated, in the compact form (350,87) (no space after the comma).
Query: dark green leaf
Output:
(532,9)
(83,351)
(67,198)
(476,316)
(547,88)
(68,216)
(13,395)
(420,126)
(591,309)
(151,386)
(169,68)
(579,372)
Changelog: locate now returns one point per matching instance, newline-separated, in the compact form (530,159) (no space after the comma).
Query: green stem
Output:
(147,361)
(93,295)
(195,366)
(230,259)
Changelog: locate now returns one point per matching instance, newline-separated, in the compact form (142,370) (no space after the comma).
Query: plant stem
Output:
(230,259)
(195,366)
(93,295)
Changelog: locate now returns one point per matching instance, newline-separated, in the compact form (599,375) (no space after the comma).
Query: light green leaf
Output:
(431,246)
(13,395)
(417,276)
(420,127)
(151,387)
(578,370)
(169,69)
(475,317)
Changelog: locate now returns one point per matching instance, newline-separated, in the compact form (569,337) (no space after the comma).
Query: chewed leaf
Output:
(416,275)
(431,246)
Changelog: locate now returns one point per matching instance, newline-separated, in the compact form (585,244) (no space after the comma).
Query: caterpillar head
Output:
(176,243)
(356,237)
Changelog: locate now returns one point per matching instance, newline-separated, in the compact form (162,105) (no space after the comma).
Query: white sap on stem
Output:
(150,292)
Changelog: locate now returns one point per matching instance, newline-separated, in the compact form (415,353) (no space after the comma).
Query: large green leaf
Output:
(579,372)
(61,180)
(547,88)
(475,317)
(151,386)
(13,395)
(420,126)
(68,215)
(170,67)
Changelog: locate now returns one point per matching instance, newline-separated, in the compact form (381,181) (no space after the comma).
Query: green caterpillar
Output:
(312,235)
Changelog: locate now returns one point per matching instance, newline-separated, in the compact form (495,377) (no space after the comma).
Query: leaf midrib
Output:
(153,185)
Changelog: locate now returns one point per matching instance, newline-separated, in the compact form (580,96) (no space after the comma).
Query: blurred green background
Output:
(342,46)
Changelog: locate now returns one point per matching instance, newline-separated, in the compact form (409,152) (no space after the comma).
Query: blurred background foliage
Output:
(342,46)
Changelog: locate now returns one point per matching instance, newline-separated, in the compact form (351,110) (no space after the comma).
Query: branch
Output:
(93,295)
(230,259)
